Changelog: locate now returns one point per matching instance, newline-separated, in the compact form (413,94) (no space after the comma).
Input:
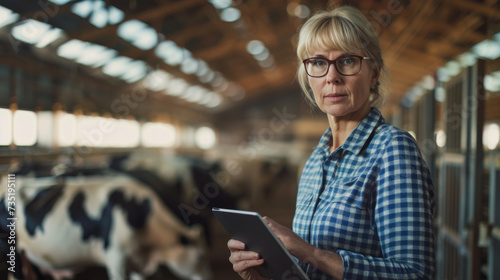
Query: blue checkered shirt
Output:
(371,201)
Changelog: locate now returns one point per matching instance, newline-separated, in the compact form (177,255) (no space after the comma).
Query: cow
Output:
(195,185)
(66,224)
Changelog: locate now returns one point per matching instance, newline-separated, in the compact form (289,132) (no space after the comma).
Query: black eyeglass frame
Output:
(330,62)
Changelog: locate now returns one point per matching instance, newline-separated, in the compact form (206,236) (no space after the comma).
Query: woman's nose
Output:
(333,76)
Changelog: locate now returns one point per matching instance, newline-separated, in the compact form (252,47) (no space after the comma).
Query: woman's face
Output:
(340,96)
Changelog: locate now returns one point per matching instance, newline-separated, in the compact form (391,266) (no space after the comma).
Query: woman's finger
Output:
(239,256)
(246,264)
(235,245)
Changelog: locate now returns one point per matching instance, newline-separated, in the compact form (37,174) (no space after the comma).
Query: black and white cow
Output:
(194,184)
(109,220)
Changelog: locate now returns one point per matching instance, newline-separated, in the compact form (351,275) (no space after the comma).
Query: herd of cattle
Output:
(137,214)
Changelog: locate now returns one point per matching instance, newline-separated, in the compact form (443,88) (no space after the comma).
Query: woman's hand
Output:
(293,243)
(326,261)
(244,261)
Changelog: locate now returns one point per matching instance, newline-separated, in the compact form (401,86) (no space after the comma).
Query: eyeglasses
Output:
(346,65)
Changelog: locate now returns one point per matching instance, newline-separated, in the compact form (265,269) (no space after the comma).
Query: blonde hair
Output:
(344,28)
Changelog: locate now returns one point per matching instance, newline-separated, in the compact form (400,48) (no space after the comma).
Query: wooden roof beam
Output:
(463,32)
(145,16)
(424,11)
(281,75)
(420,56)
(47,10)
(489,11)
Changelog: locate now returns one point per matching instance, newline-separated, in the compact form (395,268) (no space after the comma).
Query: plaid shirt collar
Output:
(358,137)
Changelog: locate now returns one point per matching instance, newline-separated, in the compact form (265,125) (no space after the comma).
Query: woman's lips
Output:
(335,97)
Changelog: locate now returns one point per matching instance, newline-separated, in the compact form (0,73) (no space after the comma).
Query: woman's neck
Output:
(342,127)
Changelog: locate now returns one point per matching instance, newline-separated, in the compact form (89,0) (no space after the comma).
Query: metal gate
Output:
(460,177)
(493,227)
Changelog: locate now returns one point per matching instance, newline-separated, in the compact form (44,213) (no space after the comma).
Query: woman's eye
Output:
(319,63)
(347,61)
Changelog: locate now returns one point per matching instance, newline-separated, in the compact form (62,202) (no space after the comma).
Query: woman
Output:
(365,201)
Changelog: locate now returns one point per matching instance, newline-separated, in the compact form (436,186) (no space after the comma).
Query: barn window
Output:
(65,129)
(45,129)
(125,134)
(491,136)
(24,128)
(7,16)
(156,134)
(205,138)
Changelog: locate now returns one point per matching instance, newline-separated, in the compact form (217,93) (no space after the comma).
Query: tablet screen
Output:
(249,228)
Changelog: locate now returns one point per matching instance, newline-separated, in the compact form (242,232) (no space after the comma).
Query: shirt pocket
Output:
(349,191)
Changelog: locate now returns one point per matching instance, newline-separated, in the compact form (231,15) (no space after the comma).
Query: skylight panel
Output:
(189,65)
(255,47)
(487,49)
(220,4)
(496,37)
(130,28)
(95,55)
(100,14)
(99,18)
(207,77)
(117,66)
(115,15)
(206,98)
(467,59)
(59,2)
(98,5)
(215,101)
(194,93)
(230,14)
(138,33)
(146,39)
(267,63)
(71,49)
(83,8)
(262,56)
(202,68)
(492,82)
(169,52)
(30,31)
(49,37)
(157,80)
(218,80)
(176,87)
(136,70)
(7,16)
(36,33)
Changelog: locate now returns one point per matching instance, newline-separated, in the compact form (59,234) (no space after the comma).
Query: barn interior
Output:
(84,82)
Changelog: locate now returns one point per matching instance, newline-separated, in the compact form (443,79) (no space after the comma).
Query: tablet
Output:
(249,228)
